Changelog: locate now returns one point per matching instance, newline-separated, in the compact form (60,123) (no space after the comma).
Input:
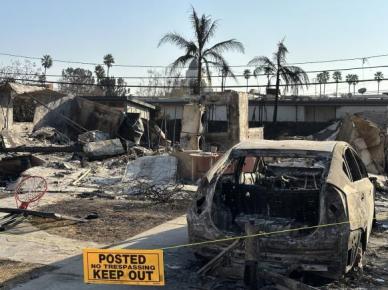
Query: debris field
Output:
(76,173)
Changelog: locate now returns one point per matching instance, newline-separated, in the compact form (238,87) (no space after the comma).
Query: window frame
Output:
(350,174)
(361,165)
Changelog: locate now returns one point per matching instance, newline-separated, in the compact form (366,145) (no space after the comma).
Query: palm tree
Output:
(325,79)
(100,73)
(349,80)
(267,70)
(320,81)
(379,77)
(292,76)
(196,49)
(354,82)
(247,75)
(225,72)
(337,77)
(47,62)
(108,61)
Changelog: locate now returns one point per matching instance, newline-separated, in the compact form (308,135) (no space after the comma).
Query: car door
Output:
(359,192)
(368,191)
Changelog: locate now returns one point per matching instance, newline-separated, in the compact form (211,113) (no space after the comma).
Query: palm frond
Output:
(215,57)
(263,69)
(208,72)
(247,73)
(210,31)
(293,76)
(261,61)
(230,44)
(337,76)
(263,64)
(176,39)
(180,62)
(379,76)
(205,24)
(196,23)
(282,51)
(226,70)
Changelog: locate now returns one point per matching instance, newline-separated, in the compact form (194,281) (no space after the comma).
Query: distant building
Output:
(19,102)
(191,79)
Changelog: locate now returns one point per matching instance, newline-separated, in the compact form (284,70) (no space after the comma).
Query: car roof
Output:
(305,145)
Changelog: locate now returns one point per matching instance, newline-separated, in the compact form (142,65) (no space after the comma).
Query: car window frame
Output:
(360,164)
(350,174)
(346,169)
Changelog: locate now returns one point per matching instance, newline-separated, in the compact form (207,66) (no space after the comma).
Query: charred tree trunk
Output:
(199,77)
(277,88)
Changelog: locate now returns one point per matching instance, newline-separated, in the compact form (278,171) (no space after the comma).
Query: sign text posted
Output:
(123,266)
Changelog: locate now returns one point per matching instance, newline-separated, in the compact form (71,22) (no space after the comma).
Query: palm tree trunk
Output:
(199,77)
(354,89)
(320,90)
(378,87)
(275,109)
(324,89)
(247,86)
(349,89)
(44,80)
(222,83)
(336,89)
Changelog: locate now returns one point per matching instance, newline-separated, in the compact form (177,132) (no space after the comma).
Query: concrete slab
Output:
(69,274)
(25,243)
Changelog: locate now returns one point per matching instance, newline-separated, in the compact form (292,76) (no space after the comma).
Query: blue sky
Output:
(88,29)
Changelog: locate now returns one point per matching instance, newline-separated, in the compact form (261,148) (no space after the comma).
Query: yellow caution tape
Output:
(251,236)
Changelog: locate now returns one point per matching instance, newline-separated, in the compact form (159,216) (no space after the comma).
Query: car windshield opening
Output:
(277,192)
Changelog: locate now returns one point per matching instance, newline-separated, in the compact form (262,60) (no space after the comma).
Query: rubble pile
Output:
(50,135)
(365,136)
(89,151)
(368,140)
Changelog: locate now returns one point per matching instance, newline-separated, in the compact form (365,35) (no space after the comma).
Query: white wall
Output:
(144,113)
(342,111)
(217,113)
(171,111)
(288,113)
(285,113)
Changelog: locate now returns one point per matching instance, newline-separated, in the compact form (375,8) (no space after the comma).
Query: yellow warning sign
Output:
(126,266)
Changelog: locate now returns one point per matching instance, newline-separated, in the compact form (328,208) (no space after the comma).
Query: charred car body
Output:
(280,185)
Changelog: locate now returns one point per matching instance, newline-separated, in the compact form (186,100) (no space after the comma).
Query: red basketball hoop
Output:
(30,190)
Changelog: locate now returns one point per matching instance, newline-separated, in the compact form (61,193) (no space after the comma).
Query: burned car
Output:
(319,189)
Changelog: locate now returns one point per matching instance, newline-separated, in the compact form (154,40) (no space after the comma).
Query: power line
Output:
(56,60)
(212,76)
(167,66)
(340,59)
(179,86)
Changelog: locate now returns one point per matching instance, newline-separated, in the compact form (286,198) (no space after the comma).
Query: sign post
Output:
(123,266)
